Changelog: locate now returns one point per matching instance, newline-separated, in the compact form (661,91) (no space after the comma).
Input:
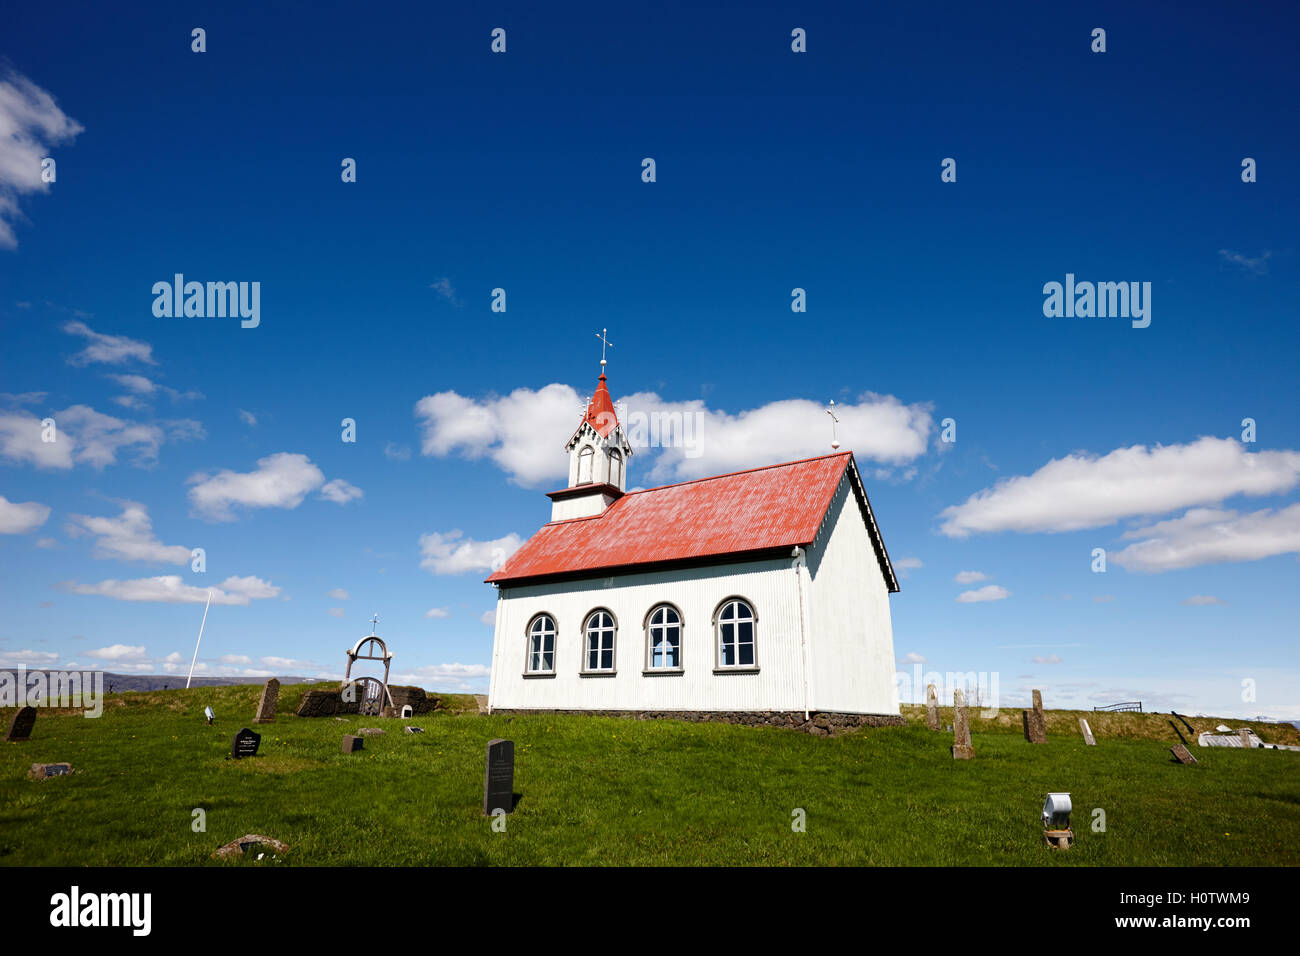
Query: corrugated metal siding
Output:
(851,641)
(768,585)
(779,506)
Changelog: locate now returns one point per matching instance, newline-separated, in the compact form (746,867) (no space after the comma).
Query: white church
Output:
(760,596)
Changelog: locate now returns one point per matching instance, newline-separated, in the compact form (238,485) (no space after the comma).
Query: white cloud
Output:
(451,553)
(395,452)
(1258,265)
(1203,600)
(241,660)
(107,349)
(904,565)
(128,537)
(248,418)
(970,577)
(1049,659)
(911,657)
(990,592)
(1082,491)
(31,123)
(523,433)
(338,594)
(170,589)
(83,436)
(489,618)
(118,652)
(336,612)
(446,291)
(437,612)
(1210,536)
(141,387)
(20,517)
(28,658)
(281,480)
(340,492)
(465,678)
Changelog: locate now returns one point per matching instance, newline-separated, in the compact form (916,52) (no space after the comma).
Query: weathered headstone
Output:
(1182,754)
(21,726)
(1035,732)
(407,711)
(1087,733)
(499,778)
(1244,734)
(245,744)
(371,731)
(40,771)
(961,747)
(1035,721)
(266,708)
(352,744)
(415,730)
(931,708)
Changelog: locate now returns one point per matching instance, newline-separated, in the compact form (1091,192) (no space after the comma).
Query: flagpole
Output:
(200,640)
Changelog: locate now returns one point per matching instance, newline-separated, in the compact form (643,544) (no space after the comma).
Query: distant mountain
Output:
(124,683)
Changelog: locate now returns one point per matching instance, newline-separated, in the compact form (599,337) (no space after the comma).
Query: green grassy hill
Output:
(610,791)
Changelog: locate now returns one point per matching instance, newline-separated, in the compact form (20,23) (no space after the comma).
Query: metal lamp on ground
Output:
(1056,821)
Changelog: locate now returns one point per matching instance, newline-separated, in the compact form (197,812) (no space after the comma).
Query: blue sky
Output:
(774,171)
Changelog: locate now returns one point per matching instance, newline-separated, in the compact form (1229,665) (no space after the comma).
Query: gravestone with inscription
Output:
(961,746)
(266,708)
(499,779)
(40,771)
(245,744)
(22,724)
(1244,734)
(1182,754)
(931,708)
(1087,733)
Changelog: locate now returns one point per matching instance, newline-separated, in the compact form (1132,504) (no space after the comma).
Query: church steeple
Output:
(598,454)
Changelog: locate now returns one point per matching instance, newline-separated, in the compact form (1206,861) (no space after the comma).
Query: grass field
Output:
(610,791)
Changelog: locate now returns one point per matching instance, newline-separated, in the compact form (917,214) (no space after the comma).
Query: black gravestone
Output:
(499,780)
(245,744)
(22,725)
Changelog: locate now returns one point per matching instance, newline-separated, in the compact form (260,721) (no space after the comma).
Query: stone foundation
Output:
(819,724)
(330,703)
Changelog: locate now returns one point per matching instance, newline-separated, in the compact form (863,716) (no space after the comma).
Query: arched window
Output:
(599,631)
(735,623)
(615,467)
(664,639)
(585,458)
(541,645)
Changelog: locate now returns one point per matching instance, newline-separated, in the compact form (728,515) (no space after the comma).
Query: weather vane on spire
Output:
(604,343)
(835,442)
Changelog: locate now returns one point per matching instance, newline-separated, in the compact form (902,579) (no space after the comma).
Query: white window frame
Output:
(529,634)
(587,458)
(651,627)
(588,631)
(718,624)
(615,462)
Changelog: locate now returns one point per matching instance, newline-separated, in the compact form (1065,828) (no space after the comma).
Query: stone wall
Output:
(818,724)
(330,703)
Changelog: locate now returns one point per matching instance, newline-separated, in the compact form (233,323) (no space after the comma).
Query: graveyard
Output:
(153,783)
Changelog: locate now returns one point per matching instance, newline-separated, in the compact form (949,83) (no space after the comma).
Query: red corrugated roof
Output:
(778,506)
(600,412)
